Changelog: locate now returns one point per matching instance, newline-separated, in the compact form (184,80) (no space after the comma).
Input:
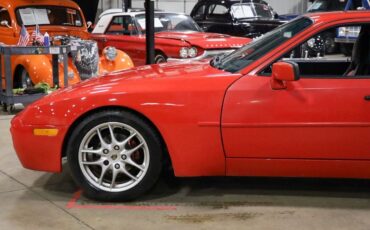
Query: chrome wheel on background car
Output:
(114,155)
(160,58)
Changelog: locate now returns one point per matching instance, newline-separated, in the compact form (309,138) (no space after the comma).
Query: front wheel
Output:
(160,58)
(114,155)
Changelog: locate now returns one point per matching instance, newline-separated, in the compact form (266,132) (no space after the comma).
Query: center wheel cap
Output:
(114,157)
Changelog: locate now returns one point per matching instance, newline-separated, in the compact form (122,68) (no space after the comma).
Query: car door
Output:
(198,14)
(321,116)
(218,19)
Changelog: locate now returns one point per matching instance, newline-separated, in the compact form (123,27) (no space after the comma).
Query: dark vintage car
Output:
(247,18)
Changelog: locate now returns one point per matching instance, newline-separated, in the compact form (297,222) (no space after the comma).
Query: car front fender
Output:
(39,68)
(122,62)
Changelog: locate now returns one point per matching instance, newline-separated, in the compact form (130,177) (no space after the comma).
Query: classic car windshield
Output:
(251,10)
(169,22)
(251,52)
(49,15)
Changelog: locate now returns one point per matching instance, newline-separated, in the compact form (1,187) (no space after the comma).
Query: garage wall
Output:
(280,6)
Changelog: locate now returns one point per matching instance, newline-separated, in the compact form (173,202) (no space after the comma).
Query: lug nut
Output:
(116,147)
(117,166)
(105,151)
(124,157)
(106,163)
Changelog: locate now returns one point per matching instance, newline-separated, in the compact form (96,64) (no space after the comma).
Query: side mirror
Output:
(5,23)
(89,24)
(282,72)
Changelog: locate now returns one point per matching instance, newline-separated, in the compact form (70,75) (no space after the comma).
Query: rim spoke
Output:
(114,176)
(98,162)
(128,174)
(104,169)
(93,151)
(114,140)
(131,151)
(133,163)
(102,141)
(128,139)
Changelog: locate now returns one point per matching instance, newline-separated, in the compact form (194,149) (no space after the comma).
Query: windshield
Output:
(327,5)
(169,22)
(251,52)
(251,10)
(49,15)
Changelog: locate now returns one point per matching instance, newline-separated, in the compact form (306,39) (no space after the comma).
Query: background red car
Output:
(178,37)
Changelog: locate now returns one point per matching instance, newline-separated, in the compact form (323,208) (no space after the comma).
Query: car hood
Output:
(205,40)
(144,78)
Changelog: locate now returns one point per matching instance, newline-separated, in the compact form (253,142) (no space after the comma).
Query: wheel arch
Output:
(39,67)
(159,51)
(167,163)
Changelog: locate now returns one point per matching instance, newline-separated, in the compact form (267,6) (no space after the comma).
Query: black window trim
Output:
(206,11)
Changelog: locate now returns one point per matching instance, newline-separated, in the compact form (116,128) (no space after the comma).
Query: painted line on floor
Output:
(73,204)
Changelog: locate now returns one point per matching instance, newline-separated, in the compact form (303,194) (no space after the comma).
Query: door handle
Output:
(367,98)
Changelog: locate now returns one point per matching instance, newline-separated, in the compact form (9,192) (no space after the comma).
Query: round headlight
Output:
(193,52)
(184,52)
(110,53)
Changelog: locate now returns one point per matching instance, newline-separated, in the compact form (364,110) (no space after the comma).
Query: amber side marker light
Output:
(45,132)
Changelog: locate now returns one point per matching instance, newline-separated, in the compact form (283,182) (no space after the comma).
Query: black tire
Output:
(346,49)
(22,79)
(329,41)
(160,58)
(153,144)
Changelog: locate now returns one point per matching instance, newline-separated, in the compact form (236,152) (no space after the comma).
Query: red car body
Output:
(216,123)
(167,43)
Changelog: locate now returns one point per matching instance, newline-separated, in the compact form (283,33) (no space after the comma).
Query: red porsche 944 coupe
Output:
(267,109)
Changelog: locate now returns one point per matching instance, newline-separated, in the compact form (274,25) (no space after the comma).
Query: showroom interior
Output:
(185,114)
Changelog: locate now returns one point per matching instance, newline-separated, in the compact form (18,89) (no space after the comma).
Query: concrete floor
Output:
(37,200)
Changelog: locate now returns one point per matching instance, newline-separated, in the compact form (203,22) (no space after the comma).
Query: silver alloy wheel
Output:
(114,157)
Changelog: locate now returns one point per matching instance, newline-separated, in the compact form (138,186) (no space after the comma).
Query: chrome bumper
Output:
(206,54)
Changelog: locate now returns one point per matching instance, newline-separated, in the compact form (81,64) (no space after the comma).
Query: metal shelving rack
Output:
(6,52)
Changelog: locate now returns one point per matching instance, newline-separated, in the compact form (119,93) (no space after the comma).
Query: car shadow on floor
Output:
(224,192)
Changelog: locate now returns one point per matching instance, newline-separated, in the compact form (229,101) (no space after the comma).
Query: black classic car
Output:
(247,18)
